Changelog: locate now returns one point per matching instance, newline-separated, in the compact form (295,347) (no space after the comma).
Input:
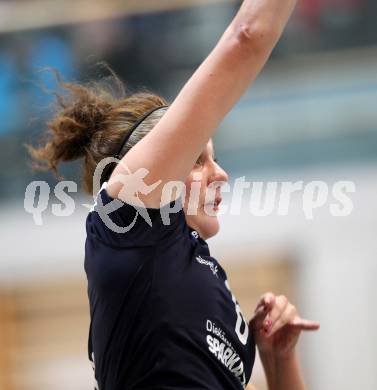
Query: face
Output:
(205,193)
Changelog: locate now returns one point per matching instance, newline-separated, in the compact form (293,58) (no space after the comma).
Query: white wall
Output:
(337,276)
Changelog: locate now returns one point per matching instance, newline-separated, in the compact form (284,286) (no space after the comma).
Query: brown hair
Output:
(91,122)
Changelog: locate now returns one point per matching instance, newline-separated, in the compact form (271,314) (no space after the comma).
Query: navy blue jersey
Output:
(162,313)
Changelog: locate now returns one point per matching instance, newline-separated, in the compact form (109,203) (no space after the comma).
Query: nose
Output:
(218,173)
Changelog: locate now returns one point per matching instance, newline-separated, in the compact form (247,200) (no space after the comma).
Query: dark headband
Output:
(127,137)
(133,128)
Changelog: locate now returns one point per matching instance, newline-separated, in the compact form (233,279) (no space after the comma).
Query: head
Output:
(205,179)
(91,123)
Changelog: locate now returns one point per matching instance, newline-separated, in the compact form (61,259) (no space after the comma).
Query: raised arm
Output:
(170,149)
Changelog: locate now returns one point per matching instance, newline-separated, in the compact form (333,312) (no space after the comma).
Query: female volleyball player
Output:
(162,312)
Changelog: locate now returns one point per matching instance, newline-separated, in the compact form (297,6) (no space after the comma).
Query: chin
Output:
(207,226)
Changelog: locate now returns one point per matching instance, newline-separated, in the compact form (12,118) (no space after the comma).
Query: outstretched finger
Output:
(305,324)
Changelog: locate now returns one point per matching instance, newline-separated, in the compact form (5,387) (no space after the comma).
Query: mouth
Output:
(214,203)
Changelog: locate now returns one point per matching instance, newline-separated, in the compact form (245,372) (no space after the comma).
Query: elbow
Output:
(257,37)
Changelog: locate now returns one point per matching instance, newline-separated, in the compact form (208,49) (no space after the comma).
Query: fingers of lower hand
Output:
(266,300)
(304,324)
(274,312)
(266,305)
(282,314)
(259,315)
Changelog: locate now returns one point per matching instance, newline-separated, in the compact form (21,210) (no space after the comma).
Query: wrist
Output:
(282,370)
(278,356)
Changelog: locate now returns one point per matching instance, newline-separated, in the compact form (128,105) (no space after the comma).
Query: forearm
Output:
(283,373)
